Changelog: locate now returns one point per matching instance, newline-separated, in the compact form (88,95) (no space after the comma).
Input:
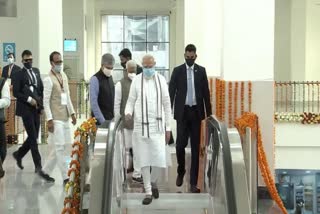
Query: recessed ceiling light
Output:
(284,172)
(308,171)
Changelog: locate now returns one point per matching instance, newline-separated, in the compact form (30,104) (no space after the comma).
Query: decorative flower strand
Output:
(250,95)
(235,110)
(242,98)
(230,104)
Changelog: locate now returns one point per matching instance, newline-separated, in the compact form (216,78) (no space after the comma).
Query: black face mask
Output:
(123,64)
(28,65)
(190,62)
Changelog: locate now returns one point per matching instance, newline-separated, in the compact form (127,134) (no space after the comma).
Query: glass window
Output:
(141,34)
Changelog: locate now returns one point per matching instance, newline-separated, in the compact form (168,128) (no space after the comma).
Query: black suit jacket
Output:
(21,91)
(178,91)
(5,71)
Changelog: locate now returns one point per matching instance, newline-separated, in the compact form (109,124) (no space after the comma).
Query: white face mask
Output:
(57,68)
(10,60)
(107,72)
(132,75)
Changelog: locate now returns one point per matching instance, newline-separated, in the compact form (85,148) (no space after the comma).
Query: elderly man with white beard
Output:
(149,102)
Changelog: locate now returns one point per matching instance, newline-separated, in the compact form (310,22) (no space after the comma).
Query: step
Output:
(168,201)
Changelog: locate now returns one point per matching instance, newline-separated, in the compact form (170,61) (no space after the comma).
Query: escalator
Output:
(225,188)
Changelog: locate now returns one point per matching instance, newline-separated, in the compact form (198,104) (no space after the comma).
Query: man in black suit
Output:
(125,56)
(10,69)
(28,89)
(189,93)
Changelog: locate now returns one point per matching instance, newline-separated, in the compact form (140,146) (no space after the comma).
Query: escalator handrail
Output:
(108,168)
(214,123)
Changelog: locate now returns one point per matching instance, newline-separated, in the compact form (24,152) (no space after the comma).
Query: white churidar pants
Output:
(128,143)
(57,142)
(149,178)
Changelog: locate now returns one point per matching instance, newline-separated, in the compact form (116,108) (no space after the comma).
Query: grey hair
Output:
(107,59)
(131,63)
(148,56)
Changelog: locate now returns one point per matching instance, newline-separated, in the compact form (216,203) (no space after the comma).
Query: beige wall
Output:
(22,30)
(312,40)
(282,41)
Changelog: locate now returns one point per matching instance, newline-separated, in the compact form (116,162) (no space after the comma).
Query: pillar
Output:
(202,27)
(50,32)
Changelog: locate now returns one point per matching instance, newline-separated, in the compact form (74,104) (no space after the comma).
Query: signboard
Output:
(8,48)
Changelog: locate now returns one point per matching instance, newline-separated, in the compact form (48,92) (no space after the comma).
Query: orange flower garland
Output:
(218,100)
(251,120)
(235,111)
(87,128)
(77,163)
(223,100)
(230,104)
(250,95)
(242,98)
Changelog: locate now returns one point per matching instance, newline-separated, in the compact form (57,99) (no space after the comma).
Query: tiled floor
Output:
(23,192)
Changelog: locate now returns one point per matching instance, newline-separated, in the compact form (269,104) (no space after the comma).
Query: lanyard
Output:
(60,80)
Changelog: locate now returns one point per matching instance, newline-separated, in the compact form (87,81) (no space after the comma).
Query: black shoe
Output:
(137,180)
(147,200)
(45,176)
(65,181)
(2,173)
(179,180)
(18,159)
(194,189)
(155,192)
(130,170)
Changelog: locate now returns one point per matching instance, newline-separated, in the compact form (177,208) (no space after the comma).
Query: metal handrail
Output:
(108,169)
(215,125)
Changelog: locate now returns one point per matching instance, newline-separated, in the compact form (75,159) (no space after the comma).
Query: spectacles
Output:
(28,60)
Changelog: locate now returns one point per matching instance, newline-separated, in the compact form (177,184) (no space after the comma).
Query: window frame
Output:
(146,14)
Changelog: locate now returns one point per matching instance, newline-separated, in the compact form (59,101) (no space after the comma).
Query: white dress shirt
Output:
(194,101)
(5,96)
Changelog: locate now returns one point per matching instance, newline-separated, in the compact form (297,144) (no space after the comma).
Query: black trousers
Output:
(190,126)
(31,123)
(3,142)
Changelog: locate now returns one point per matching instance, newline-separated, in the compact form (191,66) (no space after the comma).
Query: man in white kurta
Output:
(122,89)
(59,109)
(149,101)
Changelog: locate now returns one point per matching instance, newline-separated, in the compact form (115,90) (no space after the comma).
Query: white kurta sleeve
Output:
(132,96)
(5,96)
(47,90)
(166,103)
(117,101)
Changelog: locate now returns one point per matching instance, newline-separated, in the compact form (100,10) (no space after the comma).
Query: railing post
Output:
(251,168)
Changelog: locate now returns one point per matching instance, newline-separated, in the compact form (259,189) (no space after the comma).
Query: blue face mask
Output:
(149,72)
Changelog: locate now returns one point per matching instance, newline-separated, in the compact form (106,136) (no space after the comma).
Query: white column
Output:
(202,27)
(312,57)
(50,32)
(248,39)
(248,55)
(298,40)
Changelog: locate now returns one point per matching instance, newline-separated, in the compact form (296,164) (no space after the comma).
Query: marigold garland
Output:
(235,111)
(230,104)
(218,102)
(87,128)
(76,162)
(223,100)
(242,98)
(250,95)
(251,120)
